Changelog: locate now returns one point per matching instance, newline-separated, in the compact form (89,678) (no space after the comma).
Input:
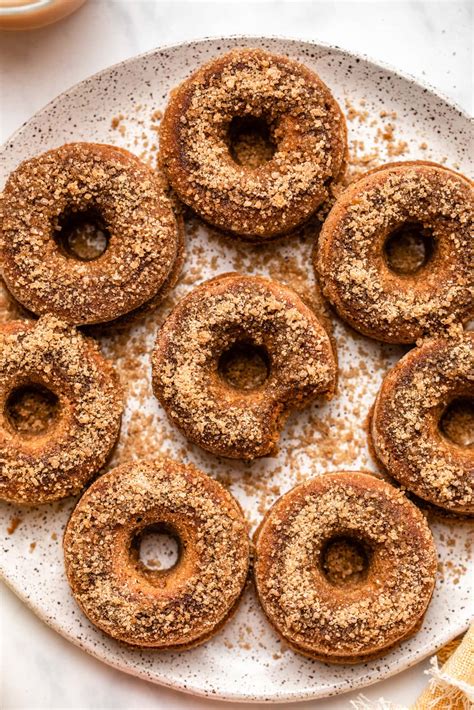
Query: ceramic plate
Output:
(391,117)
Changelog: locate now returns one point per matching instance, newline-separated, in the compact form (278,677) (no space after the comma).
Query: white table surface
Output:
(430,40)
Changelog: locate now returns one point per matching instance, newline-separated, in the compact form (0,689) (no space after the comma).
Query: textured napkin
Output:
(451,686)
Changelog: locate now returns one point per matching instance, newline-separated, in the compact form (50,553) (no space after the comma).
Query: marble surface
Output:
(430,40)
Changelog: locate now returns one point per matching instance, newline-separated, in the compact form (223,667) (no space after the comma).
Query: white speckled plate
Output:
(246,661)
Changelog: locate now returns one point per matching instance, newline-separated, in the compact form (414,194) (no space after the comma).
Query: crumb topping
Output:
(353,269)
(405,425)
(337,620)
(305,125)
(157,608)
(57,463)
(209,321)
(73,180)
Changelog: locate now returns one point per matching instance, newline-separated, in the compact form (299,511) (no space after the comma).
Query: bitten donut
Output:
(174,608)
(60,410)
(412,200)
(243,91)
(325,606)
(407,430)
(50,196)
(227,316)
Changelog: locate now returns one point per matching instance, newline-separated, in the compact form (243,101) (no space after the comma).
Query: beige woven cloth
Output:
(451,686)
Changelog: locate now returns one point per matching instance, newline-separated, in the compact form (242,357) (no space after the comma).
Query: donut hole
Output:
(32,409)
(245,365)
(345,561)
(250,141)
(82,235)
(409,248)
(457,422)
(157,547)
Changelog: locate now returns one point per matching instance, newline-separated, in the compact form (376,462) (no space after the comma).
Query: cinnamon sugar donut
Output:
(60,410)
(86,184)
(147,308)
(243,91)
(354,615)
(407,423)
(168,609)
(205,329)
(421,199)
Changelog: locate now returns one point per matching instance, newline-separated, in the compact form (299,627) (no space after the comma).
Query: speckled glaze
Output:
(259,668)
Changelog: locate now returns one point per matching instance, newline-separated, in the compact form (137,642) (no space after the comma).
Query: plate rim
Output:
(191,690)
(292,696)
(213,38)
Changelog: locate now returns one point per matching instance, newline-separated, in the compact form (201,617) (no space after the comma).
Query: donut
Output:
(419,201)
(406,429)
(230,99)
(211,324)
(176,608)
(336,607)
(60,410)
(87,186)
(146,309)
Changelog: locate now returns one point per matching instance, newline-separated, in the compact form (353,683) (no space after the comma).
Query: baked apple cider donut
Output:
(345,567)
(87,189)
(252,142)
(395,254)
(173,608)
(422,426)
(234,357)
(60,410)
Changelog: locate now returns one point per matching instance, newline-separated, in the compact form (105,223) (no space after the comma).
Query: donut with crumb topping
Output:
(60,410)
(174,608)
(410,431)
(332,609)
(87,186)
(206,143)
(237,322)
(400,296)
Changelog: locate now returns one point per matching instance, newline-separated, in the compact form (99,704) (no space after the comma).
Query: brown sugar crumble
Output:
(14,523)
(217,177)
(37,360)
(211,321)
(427,378)
(33,412)
(96,185)
(324,437)
(374,297)
(321,433)
(339,621)
(344,563)
(204,515)
(383,144)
